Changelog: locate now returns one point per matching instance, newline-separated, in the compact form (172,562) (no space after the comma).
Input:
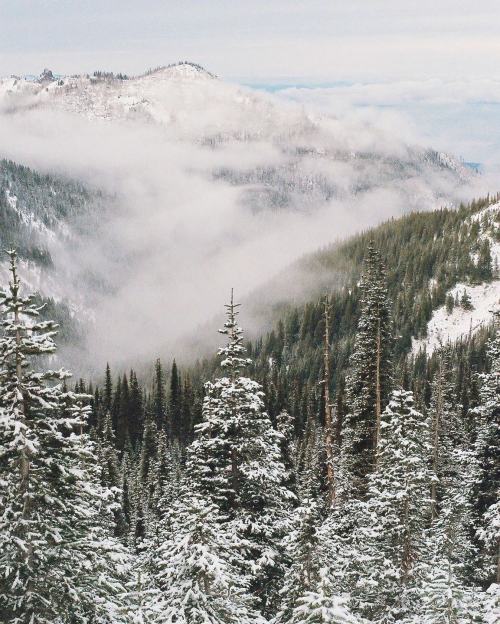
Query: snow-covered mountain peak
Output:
(184,70)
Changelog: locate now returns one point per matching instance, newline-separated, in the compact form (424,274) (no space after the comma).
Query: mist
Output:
(189,216)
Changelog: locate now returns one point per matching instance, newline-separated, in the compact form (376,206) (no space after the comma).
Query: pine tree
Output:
(111,474)
(465,301)
(323,606)
(444,592)
(135,415)
(175,424)
(108,391)
(445,426)
(197,570)
(240,468)
(288,446)
(369,382)
(302,551)
(187,410)
(487,446)
(58,562)
(484,262)
(122,418)
(396,512)
(159,400)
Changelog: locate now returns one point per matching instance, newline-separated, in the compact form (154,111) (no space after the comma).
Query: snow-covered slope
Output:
(189,103)
(184,96)
(460,323)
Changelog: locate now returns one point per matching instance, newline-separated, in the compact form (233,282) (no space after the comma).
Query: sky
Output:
(435,62)
(304,41)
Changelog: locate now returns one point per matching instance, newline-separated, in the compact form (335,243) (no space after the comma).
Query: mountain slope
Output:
(427,256)
(199,182)
(313,159)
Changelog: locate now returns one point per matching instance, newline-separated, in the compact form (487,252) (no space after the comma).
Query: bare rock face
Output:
(46,76)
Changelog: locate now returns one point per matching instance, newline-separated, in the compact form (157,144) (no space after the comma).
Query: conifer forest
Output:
(250,314)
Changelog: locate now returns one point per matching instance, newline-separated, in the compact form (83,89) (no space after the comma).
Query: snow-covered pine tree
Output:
(455,468)
(135,415)
(368,384)
(302,552)
(395,514)
(288,445)
(197,569)
(489,535)
(445,426)
(176,428)
(111,474)
(240,468)
(487,446)
(442,594)
(323,606)
(58,560)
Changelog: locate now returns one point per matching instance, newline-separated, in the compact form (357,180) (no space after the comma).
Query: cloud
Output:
(459,116)
(189,218)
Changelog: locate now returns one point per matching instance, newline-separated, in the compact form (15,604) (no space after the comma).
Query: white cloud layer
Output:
(216,187)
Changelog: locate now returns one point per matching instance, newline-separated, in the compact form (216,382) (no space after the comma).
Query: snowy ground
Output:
(485,298)
(444,327)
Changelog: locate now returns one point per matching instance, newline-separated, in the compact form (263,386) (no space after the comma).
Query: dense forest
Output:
(328,472)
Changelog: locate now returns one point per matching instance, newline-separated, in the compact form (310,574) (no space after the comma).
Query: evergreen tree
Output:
(159,400)
(135,412)
(484,262)
(111,477)
(465,301)
(323,606)
(396,512)
(369,382)
(197,570)
(301,544)
(239,464)
(175,424)
(123,413)
(108,391)
(487,446)
(58,562)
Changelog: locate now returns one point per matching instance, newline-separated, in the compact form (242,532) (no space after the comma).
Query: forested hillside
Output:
(331,471)
(36,208)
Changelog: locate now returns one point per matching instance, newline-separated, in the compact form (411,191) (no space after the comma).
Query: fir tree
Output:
(58,562)
(396,512)
(175,424)
(323,606)
(369,381)
(197,570)
(465,301)
(135,412)
(487,446)
(111,474)
(159,400)
(240,467)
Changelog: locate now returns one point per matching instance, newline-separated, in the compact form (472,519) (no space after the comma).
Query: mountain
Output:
(310,159)
(128,188)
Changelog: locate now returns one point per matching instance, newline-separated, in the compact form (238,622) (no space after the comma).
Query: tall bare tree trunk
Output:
(330,471)
(378,389)
(436,419)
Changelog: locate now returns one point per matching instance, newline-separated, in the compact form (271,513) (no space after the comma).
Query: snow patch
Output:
(485,298)
(444,327)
